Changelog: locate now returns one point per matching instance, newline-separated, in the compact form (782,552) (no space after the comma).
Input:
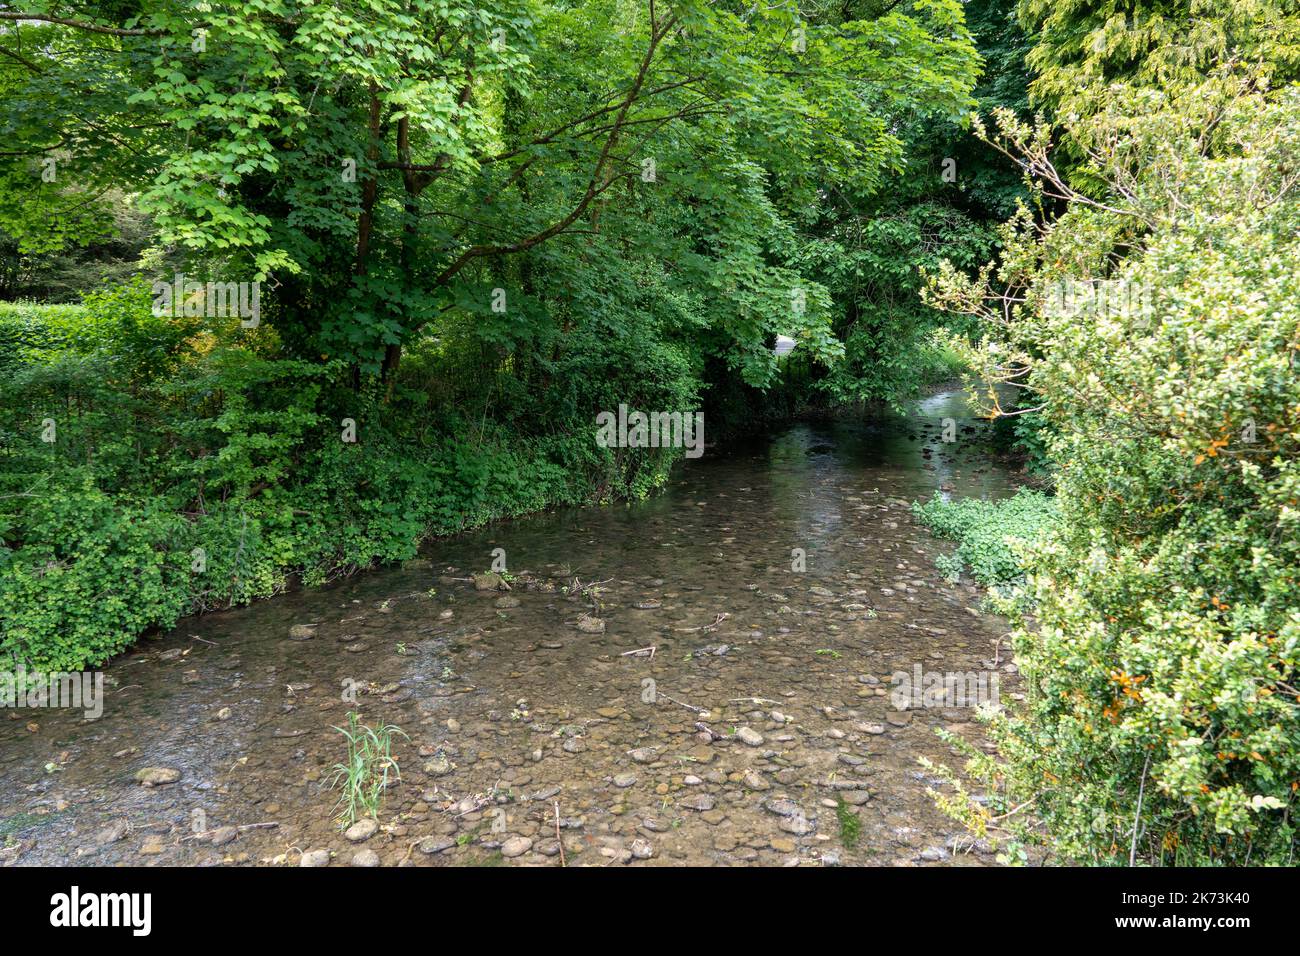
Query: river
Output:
(751,722)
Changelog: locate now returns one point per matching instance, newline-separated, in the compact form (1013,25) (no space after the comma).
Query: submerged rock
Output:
(516,846)
(701,803)
(439,766)
(362,830)
(112,833)
(797,824)
(157,776)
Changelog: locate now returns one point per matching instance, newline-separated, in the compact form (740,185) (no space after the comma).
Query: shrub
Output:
(990,535)
(93,574)
(1161,661)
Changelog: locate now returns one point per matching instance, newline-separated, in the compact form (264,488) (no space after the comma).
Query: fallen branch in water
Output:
(269,825)
(558,838)
(698,710)
(706,627)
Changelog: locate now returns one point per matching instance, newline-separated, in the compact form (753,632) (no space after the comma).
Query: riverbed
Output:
(701,678)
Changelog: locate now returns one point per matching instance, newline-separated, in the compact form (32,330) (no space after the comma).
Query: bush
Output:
(1162,658)
(990,535)
(94,573)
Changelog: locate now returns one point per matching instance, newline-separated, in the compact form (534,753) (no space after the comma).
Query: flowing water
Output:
(733,709)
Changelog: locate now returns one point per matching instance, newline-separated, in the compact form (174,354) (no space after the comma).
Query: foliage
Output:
(1160,662)
(942,201)
(990,535)
(387,164)
(1083,46)
(850,823)
(184,473)
(363,777)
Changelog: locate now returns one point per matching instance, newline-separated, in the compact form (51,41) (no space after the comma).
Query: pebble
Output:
(797,824)
(153,845)
(362,830)
(700,803)
(516,846)
(112,833)
(157,776)
(315,858)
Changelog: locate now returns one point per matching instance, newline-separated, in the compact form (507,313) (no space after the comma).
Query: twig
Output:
(558,838)
(269,825)
(706,627)
(698,710)
(1137,816)
(1013,810)
(641,650)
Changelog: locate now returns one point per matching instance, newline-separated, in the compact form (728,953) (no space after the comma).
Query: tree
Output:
(479,133)
(1081,46)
